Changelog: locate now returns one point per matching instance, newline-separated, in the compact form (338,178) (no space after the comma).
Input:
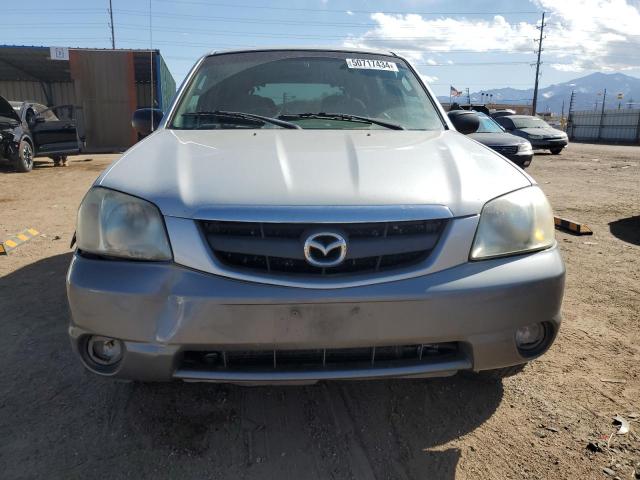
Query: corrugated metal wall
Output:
(62,93)
(614,126)
(143,94)
(105,88)
(163,83)
(167,84)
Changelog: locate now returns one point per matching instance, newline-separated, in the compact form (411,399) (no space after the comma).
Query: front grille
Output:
(278,248)
(506,149)
(329,358)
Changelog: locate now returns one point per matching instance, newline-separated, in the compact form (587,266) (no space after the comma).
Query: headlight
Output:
(517,222)
(119,225)
(525,148)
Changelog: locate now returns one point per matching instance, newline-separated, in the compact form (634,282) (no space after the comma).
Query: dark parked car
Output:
(541,135)
(29,130)
(489,133)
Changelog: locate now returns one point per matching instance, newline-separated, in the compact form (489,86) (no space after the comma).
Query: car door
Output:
(53,135)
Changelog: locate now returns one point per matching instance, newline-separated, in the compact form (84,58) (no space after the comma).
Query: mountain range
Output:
(588,91)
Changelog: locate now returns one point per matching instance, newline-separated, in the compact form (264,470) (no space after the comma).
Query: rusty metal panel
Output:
(105,88)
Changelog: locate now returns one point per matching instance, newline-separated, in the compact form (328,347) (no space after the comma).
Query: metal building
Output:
(103,86)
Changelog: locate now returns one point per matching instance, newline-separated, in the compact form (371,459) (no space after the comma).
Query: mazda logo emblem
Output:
(325,249)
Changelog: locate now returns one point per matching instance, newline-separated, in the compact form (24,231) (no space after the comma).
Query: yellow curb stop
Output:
(17,240)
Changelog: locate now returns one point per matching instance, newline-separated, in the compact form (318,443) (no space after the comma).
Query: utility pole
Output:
(569,129)
(113,35)
(535,88)
(604,99)
(468,96)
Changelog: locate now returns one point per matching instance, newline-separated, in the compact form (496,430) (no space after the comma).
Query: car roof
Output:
(307,49)
(521,116)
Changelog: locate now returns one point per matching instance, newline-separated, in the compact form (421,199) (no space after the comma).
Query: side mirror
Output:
(146,120)
(465,121)
(39,119)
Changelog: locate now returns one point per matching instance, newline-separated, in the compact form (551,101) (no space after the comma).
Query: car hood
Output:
(497,139)
(7,111)
(545,132)
(185,173)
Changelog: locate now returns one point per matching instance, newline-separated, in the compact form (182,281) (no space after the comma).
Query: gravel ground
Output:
(58,421)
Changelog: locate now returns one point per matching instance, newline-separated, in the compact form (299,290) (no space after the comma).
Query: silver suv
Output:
(301,215)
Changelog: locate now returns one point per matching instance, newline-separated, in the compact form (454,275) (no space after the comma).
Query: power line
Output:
(343,10)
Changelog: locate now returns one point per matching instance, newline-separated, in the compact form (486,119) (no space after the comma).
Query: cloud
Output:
(428,78)
(413,35)
(580,34)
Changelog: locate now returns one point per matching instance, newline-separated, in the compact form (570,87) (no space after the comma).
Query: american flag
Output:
(453,92)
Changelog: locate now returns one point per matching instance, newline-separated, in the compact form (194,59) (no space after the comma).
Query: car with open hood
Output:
(29,130)
(310,214)
(534,129)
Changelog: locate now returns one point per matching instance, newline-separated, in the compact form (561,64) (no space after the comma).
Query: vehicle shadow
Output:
(7,167)
(60,421)
(626,229)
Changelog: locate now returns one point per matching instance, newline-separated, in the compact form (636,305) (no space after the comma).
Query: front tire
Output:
(556,151)
(24,158)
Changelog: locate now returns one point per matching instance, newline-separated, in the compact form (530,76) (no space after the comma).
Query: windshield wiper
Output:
(342,116)
(243,116)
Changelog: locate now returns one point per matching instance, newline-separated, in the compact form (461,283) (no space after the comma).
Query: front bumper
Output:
(523,160)
(161,311)
(546,143)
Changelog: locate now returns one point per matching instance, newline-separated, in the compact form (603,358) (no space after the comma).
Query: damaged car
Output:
(301,215)
(29,130)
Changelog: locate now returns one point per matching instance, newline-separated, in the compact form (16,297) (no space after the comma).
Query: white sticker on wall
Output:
(59,53)
(368,64)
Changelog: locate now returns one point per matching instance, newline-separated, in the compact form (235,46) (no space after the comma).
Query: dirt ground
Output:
(58,421)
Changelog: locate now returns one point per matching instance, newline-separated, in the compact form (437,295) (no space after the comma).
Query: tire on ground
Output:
(24,158)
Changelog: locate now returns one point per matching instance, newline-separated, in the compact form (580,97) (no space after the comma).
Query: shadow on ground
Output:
(627,229)
(59,421)
(7,167)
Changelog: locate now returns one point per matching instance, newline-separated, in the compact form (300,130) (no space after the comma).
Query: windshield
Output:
(488,125)
(529,122)
(289,84)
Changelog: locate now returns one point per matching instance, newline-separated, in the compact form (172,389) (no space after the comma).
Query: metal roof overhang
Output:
(32,64)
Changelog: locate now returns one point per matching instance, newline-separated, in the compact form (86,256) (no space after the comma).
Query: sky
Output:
(475,44)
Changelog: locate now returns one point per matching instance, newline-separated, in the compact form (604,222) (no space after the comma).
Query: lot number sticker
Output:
(366,64)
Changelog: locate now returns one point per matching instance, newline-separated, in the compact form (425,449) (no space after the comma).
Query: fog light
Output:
(104,350)
(530,339)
